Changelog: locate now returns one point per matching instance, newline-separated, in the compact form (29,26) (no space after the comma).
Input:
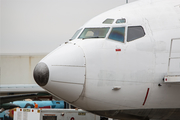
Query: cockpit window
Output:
(123,20)
(108,21)
(135,32)
(94,33)
(117,34)
(76,34)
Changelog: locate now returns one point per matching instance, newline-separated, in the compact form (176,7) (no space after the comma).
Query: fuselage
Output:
(115,64)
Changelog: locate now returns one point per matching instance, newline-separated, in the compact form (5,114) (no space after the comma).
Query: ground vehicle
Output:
(53,114)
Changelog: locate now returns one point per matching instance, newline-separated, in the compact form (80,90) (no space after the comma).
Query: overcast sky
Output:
(39,26)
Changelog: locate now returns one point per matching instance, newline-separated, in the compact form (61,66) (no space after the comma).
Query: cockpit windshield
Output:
(76,34)
(89,33)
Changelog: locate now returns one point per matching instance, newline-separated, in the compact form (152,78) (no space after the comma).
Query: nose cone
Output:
(62,72)
(41,74)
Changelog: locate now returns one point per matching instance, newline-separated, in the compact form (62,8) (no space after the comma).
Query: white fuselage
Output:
(101,74)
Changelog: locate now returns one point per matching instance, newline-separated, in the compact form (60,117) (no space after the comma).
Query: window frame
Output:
(125,32)
(125,21)
(111,19)
(77,34)
(109,28)
(138,37)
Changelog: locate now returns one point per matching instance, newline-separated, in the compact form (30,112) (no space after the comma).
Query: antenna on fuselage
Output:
(126,1)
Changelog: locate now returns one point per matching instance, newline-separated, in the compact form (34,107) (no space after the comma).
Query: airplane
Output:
(122,64)
(6,99)
(41,104)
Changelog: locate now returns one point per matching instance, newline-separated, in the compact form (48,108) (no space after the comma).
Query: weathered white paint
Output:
(139,68)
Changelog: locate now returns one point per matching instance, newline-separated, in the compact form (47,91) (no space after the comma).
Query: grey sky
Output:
(39,26)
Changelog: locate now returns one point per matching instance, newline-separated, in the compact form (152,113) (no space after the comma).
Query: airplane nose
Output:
(41,74)
(62,72)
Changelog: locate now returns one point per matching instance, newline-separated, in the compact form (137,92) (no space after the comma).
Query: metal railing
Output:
(170,54)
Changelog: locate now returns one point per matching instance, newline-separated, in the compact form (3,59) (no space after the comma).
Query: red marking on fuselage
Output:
(118,49)
(146,96)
